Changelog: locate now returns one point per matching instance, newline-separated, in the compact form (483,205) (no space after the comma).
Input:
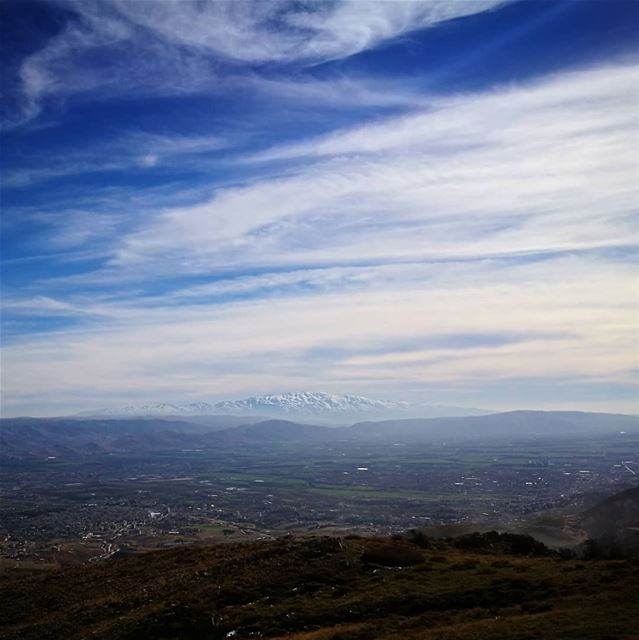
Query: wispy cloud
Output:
(175,47)
(410,244)
(99,54)
(573,105)
(136,149)
(275,31)
(538,168)
(338,91)
(232,347)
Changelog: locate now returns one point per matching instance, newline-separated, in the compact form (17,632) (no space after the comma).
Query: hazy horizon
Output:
(594,408)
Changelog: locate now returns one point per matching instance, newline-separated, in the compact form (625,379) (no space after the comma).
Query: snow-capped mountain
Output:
(301,406)
(325,407)
(309,402)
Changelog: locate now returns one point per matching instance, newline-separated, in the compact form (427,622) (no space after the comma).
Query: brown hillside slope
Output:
(327,588)
(614,522)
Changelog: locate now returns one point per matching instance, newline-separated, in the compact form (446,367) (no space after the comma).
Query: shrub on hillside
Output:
(419,538)
(514,543)
(392,556)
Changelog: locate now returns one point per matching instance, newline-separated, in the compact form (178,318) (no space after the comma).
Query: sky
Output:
(425,201)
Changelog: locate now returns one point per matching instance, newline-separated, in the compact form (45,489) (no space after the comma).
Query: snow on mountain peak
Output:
(311,402)
(299,405)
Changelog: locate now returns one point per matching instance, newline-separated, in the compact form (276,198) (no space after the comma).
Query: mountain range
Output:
(42,437)
(318,406)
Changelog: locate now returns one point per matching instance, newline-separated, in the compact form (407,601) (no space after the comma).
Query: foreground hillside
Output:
(353,588)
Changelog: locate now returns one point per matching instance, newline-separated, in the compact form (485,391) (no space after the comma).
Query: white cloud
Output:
(580,314)
(338,92)
(570,105)
(97,54)
(256,31)
(130,150)
(149,160)
(418,225)
(172,47)
(172,145)
(547,167)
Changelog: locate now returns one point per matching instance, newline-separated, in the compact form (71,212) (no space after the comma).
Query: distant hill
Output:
(41,437)
(508,425)
(484,586)
(48,437)
(275,431)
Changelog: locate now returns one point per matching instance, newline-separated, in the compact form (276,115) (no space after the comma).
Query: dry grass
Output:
(325,588)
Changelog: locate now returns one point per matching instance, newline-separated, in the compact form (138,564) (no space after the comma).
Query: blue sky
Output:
(431,201)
